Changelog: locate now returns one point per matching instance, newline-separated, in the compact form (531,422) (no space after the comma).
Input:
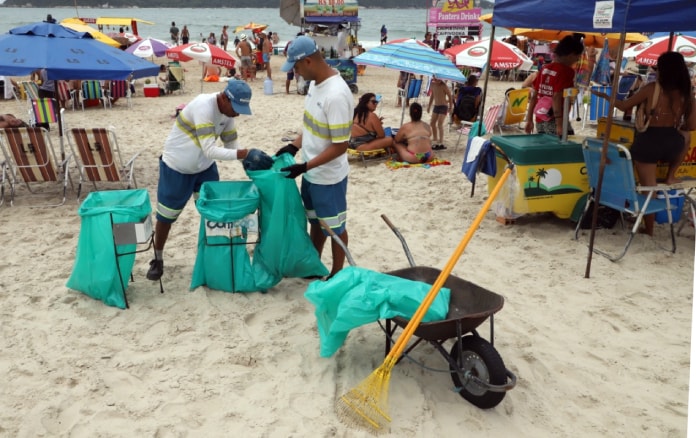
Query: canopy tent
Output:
(601,16)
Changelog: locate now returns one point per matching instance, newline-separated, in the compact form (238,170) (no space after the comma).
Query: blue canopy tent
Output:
(599,16)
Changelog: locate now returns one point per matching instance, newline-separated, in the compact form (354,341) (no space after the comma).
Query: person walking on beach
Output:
(671,118)
(267,51)
(383,34)
(441,103)
(328,117)
(224,38)
(244,53)
(189,156)
(174,32)
(184,35)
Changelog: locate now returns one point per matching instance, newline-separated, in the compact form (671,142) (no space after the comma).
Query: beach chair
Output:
(598,107)
(118,90)
(99,158)
(3,178)
(489,120)
(29,89)
(92,90)
(65,94)
(30,157)
(514,110)
(619,191)
(43,112)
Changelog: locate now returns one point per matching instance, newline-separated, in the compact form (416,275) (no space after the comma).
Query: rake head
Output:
(366,406)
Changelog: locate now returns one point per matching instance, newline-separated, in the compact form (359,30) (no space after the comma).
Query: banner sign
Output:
(459,17)
(331,8)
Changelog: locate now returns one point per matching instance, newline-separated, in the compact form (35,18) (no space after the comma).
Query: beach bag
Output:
(466,108)
(643,113)
(544,108)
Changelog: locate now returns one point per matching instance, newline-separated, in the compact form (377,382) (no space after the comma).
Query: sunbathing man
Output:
(412,142)
(10,121)
(244,53)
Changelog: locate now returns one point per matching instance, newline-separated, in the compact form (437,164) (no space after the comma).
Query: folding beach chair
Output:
(99,158)
(43,112)
(29,89)
(489,120)
(619,190)
(30,157)
(598,106)
(176,79)
(92,90)
(65,94)
(514,109)
(117,90)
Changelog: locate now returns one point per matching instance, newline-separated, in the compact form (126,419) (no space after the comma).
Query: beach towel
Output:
(480,155)
(393,165)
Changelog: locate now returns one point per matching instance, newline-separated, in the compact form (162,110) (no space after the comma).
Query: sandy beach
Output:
(595,357)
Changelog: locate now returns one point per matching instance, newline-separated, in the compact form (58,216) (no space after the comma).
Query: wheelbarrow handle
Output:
(338,240)
(401,238)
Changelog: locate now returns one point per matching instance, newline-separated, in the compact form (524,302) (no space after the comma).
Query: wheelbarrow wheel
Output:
(479,359)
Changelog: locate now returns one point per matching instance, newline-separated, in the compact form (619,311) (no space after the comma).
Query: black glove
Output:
(289,149)
(295,170)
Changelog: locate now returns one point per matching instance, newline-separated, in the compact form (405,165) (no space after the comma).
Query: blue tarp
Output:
(628,16)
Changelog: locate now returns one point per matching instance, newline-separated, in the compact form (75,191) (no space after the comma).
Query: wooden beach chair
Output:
(30,157)
(99,158)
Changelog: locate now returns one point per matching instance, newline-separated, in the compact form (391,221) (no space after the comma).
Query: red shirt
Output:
(554,78)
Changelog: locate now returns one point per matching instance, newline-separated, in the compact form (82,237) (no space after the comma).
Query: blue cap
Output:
(239,94)
(300,48)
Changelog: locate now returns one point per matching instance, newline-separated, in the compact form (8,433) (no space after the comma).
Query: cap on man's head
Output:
(239,94)
(242,37)
(300,48)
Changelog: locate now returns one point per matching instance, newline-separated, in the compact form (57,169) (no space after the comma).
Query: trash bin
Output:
(112,224)
(229,222)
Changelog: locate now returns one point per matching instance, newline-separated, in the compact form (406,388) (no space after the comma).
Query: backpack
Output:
(466,108)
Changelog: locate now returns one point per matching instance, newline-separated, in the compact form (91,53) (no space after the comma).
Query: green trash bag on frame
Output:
(96,272)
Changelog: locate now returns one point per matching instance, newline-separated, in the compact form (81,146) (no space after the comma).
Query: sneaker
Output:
(156,270)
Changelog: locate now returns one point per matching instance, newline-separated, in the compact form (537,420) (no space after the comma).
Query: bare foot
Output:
(670,181)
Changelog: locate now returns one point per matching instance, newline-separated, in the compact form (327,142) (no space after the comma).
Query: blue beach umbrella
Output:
(602,71)
(66,54)
(413,57)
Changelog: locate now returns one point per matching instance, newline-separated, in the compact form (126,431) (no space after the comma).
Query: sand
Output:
(601,356)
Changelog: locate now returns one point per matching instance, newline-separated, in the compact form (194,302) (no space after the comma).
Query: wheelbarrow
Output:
(477,370)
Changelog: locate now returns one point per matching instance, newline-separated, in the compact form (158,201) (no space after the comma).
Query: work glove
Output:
(295,170)
(257,159)
(289,149)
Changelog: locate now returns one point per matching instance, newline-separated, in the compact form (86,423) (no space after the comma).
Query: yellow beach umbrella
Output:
(254,27)
(488,18)
(78,25)
(592,39)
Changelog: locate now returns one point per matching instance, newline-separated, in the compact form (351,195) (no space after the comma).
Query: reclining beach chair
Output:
(65,94)
(118,90)
(43,112)
(176,78)
(99,158)
(598,107)
(514,110)
(31,158)
(619,190)
(92,90)
(489,120)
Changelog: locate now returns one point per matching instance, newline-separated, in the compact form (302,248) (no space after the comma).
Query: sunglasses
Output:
(374,101)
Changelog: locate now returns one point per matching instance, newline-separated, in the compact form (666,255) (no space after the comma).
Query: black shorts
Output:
(658,144)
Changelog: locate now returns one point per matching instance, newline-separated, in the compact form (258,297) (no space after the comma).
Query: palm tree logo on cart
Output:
(546,182)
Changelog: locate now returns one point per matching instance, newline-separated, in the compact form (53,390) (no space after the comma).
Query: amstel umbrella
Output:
(149,47)
(475,54)
(203,52)
(646,53)
(66,54)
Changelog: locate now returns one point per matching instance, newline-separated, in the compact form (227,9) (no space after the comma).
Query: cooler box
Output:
(623,132)
(152,91)
(676,198)
(549,176)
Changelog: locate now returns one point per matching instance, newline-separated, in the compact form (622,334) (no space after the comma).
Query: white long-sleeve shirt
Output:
(191,146)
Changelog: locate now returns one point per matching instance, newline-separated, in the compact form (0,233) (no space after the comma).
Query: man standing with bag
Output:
(327,121)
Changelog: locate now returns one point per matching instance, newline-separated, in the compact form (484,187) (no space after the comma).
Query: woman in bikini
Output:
(672,116)
(367,133)
(413,141)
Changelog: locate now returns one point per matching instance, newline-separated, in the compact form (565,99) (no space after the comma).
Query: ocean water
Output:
(401,23)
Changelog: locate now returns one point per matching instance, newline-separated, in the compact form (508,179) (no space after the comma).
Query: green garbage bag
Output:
(96,272)
(285,249)
(223,261)
(357,296)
